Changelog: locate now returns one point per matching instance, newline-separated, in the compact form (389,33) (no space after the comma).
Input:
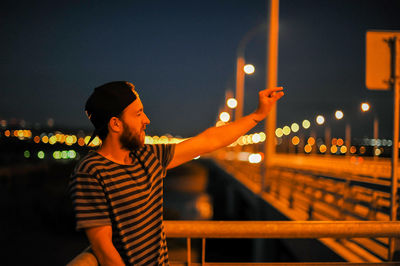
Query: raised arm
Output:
(100,238)
(218,137)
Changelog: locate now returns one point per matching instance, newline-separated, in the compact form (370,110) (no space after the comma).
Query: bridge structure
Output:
(312,187)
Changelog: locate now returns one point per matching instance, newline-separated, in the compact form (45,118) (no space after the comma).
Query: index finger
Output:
(271,91)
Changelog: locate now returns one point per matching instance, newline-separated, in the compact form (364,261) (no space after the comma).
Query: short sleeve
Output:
(89,202)
(164,153)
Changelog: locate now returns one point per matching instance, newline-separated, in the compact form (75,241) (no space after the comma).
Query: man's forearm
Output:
(100,239)
(219,137)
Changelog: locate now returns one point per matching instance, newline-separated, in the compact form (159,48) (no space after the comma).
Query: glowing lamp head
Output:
(365,107)
(224,117)
(320,120)
(339,114)
(249,69)
(232,103)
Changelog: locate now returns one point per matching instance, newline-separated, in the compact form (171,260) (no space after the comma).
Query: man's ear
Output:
(115,124)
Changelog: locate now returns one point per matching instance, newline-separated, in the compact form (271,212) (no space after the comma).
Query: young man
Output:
(117,190)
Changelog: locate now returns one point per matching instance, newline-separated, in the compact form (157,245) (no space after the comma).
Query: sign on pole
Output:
(379,60)
(383,73)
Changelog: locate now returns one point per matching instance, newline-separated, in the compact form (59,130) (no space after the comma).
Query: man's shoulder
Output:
(88,163)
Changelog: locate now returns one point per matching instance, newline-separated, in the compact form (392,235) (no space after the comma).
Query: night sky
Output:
(181,56)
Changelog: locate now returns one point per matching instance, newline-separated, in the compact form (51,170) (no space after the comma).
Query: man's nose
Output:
(146,120)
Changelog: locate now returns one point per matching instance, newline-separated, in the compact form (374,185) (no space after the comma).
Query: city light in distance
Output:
(286,130)
(365,107)
(306,124)
(231,103)
(255,158)
(249,69)
(279,132)
(339,114)
(295,127)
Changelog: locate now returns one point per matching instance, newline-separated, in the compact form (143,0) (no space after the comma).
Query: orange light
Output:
(45,139)
(36,139)
(334,149)
(81,142)
(353,149)
(322,148)
(343,149)
(7,133)
(339,142)
(307,148)
(311,141)
(334,141)
(295,140)
(362,149)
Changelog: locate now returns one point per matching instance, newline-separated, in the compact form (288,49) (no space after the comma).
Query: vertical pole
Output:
(272,80)
(189,249)
(328,139)
(376,134)
(348,138)
(239,87)
(394,243)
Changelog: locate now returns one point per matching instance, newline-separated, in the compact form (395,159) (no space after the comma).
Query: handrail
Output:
(281,229)
(265,229)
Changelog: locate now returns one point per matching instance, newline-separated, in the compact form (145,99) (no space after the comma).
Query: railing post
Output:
(203,251)
(189,250)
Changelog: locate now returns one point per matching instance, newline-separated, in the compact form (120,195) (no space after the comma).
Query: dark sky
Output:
(181,56)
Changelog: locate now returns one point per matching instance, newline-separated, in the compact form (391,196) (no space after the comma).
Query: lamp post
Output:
(240,71)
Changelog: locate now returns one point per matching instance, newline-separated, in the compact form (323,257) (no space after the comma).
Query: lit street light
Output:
(320,120)
(232,103)
(249,69)
(240,64)
(339,114)
(365,107)
(224,117)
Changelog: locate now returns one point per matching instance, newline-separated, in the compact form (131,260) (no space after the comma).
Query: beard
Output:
(130,140)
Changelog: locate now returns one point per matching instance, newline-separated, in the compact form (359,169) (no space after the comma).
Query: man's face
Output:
(134,122)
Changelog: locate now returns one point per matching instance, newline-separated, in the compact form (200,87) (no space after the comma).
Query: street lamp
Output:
(320,120)
(231,103)
(339,114)
(249,69)
(365,107)
(224,117)
(240,64)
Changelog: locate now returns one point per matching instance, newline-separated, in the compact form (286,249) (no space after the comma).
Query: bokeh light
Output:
(249,69)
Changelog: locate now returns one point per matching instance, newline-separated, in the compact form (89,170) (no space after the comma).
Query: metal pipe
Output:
(281,229)
(272,79)
(395,152)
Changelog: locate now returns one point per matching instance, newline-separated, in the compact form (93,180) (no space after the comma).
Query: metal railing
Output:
(302,194)
(268,230)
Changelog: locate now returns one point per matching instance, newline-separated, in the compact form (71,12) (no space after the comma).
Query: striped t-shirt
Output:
(127,197)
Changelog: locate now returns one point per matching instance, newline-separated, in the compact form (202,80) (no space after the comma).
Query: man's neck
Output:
(112,150)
